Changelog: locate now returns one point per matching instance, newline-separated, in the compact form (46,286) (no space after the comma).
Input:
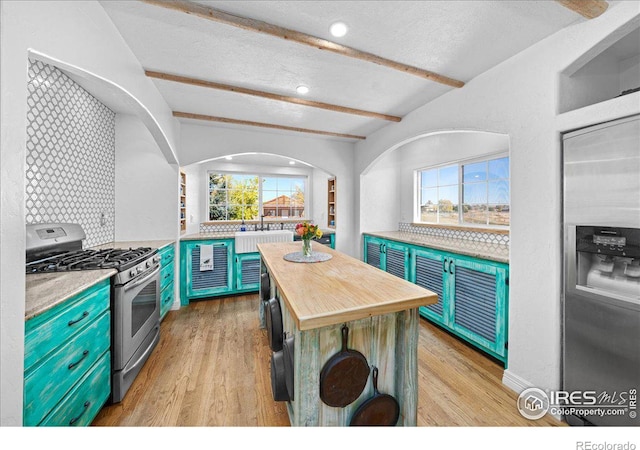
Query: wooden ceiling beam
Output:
(186,115)
(259,26)
(586,8)
(271,96)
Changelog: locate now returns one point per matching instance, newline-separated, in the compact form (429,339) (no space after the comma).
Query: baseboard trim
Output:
(514,382)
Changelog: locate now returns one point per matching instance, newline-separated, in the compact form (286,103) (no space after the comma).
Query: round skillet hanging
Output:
(379,410)
(273,320)
(265,287)
(344,375)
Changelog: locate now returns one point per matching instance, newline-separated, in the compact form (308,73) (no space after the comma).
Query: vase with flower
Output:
(307,231)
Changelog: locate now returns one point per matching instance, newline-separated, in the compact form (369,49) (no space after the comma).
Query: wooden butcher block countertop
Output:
(339,290)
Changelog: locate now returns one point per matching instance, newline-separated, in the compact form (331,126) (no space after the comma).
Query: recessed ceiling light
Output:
(292,162)
(338,29)
(302,89)
(228,158)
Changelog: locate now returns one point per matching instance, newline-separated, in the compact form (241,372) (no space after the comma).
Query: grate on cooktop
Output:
(119,259)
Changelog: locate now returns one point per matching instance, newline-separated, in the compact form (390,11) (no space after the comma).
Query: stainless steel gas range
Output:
(135,291)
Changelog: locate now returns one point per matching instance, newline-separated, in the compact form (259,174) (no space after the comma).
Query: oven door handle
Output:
(130,286)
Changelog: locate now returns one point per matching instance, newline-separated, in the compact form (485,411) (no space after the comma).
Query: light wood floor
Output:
(211,368)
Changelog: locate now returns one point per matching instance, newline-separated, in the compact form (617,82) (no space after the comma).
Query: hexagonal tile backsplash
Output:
(70,161)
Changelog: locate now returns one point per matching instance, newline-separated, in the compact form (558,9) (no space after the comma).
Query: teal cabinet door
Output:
(247,272)
(429,270)
(198,283)
(478,310)
(166,300)
(390,256)
(372,251)
(167,275)
(395,257)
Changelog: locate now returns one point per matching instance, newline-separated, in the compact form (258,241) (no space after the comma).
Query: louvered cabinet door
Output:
(207,283)
(396,259)
(479,303)
(428,272)
(248,272)
(373,251)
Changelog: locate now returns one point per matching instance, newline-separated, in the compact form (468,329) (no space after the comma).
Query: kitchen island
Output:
(380,311)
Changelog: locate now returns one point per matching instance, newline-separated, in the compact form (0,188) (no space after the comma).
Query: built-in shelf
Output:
(183,202)
(608,71)
(331,203)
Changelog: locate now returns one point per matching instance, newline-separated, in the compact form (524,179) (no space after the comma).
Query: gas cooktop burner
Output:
(115,258)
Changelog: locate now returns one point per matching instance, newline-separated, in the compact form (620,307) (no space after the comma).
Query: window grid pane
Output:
(482,186)
(240,197)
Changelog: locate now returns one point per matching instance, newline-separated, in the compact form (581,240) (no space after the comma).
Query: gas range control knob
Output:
(132,273)
(139,269)
(156,259)
(148,264)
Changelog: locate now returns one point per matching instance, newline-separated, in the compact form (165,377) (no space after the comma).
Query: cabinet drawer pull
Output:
(73,322)
(444,265)
(451,267)
(84,355)
(168,299)
(86,407)
(167,275)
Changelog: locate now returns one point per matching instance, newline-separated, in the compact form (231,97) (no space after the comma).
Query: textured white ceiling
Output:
(458,39)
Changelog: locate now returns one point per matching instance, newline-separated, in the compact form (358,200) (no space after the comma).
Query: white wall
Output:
(78,37)
(519,98)
(380,199)
(201,143)
(630,73)
(146,185)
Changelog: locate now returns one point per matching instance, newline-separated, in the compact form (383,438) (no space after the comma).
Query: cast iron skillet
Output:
(265,287)
(273,321)
(278,383)
(379,410)
(287,349)
(344,375)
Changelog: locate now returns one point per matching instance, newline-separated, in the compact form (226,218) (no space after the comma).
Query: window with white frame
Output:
(474,192)
(234,196)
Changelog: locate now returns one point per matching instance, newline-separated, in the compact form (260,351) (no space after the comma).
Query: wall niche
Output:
(608,71)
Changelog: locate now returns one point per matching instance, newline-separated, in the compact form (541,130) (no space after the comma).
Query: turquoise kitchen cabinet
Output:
(478,303)
(209,283)
(67,348)
(390,256)
(167,275)
(473,293)
(472,297)
(247,272)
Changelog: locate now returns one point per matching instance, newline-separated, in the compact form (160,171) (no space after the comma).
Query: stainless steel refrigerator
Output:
(601,295)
